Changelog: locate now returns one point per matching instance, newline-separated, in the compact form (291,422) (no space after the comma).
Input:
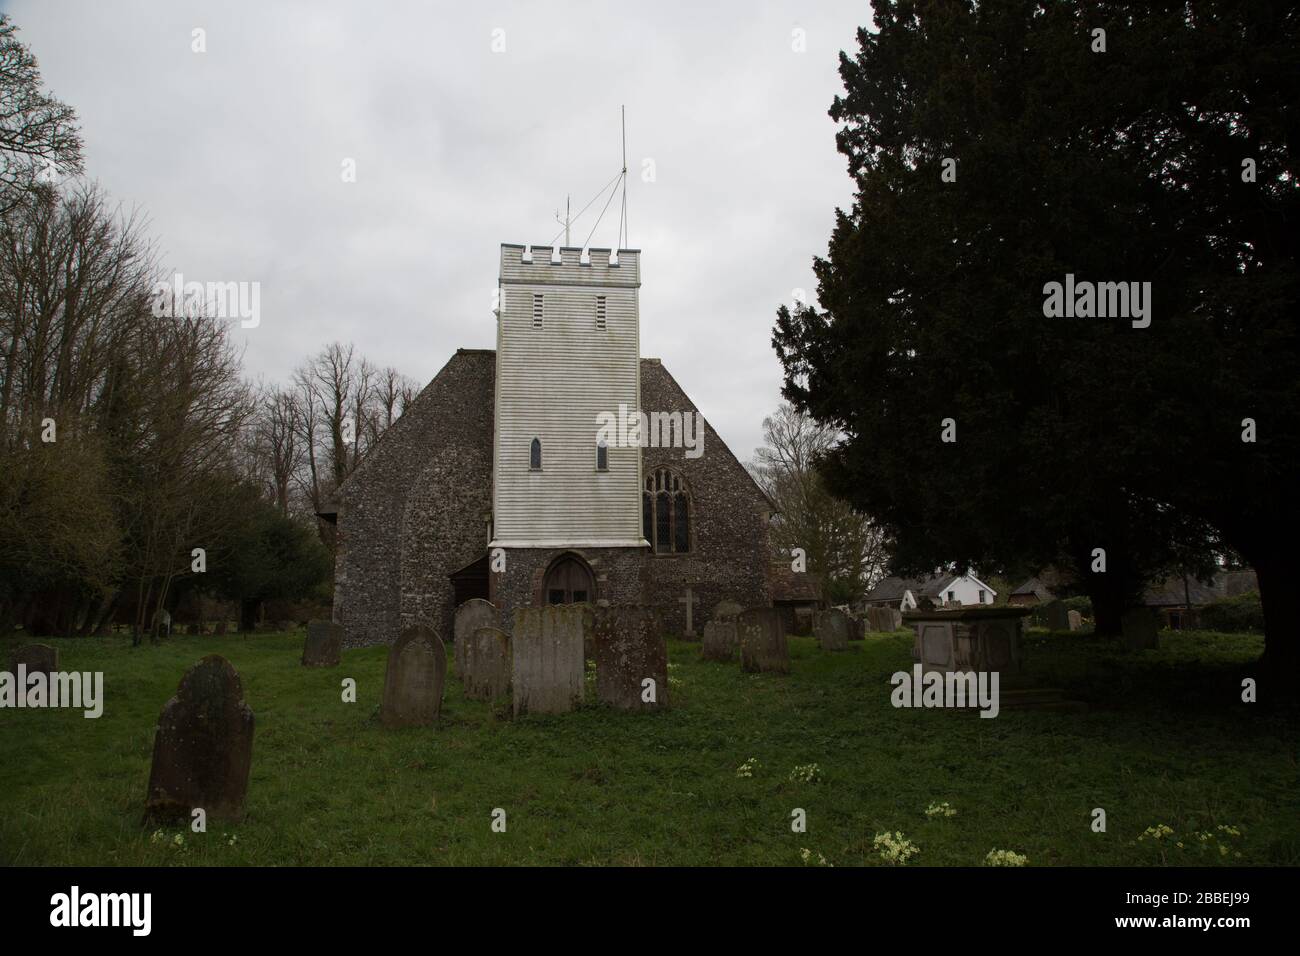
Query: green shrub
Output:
(1241,613)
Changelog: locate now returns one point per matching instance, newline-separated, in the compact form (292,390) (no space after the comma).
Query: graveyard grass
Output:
(1167,742)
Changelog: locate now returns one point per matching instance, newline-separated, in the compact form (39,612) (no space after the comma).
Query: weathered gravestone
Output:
(1076,620)
(1138,628)
(547,659)
(486,674)
(831,628)
(719,640)
(220,629)
(324,644)
(629,651)
(202,748)
(469,617)
(726,611)
(1057,616)
(38,658)
(858,627)
(413,684)
(884,619)
(762,641)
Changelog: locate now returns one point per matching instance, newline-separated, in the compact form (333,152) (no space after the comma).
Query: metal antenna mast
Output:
(622,223)
(566,221)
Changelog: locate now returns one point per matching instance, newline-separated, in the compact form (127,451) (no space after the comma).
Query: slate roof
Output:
(1036,587)
(892,588)
(794,587)
(1171,592)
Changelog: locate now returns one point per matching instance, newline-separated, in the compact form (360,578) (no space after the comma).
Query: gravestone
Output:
(39,658)
(547,660)
(487,664)
(220,629)
(202,748)
(719,640)
(469,617)
(884,619)
(726,611)
(1058,618)
(630,650)
(1138,628)
(413,684)
(762,641)
(1076,620)
(324,644)
(858,627)
(831,628)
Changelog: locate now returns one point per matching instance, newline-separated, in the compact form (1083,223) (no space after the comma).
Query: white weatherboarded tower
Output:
(568,350)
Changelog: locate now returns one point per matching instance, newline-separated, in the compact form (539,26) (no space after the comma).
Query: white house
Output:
(955,590)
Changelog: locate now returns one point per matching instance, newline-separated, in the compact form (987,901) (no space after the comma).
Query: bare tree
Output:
(841,545)
(39,139)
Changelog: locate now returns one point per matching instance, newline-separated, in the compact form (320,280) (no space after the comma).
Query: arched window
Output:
(535,456)
(602,456)
(666,513)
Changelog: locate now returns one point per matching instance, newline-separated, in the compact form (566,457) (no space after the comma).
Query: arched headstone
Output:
(413,684)
(469,617)
(203,747)
(831,628)
(487,664)
(719,640)
(38,658)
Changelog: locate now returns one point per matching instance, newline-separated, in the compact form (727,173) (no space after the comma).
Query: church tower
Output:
(568,353)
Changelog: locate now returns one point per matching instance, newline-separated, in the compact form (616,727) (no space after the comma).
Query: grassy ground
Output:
(1167,741)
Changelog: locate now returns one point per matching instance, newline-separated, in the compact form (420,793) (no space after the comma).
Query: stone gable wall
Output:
(414,511)
(729,535)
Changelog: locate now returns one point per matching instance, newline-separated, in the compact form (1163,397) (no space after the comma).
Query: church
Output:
(503,481)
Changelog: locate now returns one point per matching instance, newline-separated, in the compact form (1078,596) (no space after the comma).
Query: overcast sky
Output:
(236,155)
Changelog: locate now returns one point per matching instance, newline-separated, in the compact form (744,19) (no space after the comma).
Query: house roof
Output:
(1036,587)
(1175,592)
(793,586)
(893,587)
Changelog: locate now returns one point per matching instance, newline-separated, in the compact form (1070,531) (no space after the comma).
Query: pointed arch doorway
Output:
(569,581)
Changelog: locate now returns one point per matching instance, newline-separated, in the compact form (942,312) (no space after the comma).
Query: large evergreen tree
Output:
(1161,151)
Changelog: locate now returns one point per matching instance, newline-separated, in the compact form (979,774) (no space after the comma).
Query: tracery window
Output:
(666,513)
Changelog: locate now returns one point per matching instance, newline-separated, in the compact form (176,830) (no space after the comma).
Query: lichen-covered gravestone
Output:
(629,651)
(831,628)
(469,617)
(38,658)
(547,660)
(762,641)
(726,611)
(324,644)
(719,640)
(203,747)
(487,664)
(1138,629)
(417,670)
(1076,620)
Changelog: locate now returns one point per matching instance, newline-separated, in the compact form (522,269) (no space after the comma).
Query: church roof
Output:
(657,385)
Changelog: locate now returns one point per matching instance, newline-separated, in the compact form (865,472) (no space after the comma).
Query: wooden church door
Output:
(569,581)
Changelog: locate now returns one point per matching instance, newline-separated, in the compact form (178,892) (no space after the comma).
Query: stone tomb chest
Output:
(968,639)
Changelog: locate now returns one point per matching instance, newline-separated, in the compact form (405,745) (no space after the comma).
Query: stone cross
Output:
(689,600)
